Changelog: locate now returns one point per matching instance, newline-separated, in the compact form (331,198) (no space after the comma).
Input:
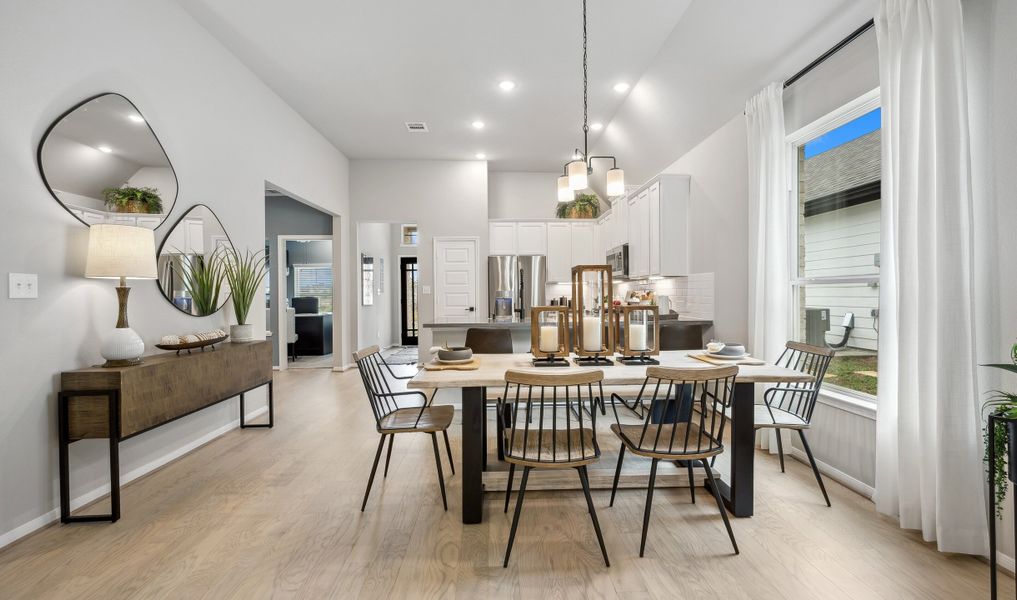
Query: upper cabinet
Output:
(658,227)
(559,251)
(502,238)
(531,239)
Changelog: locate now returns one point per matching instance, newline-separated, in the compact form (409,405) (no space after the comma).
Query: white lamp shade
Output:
(565,194)
(616,182)
(577,175)
(116,251)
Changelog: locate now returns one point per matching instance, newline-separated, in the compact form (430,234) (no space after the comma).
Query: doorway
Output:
(409,316)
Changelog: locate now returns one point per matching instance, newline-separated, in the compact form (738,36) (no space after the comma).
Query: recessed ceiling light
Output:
(105,149)
(478,124)
(597,126)
(507,85)
(621,87)
(136,118)
(481,156)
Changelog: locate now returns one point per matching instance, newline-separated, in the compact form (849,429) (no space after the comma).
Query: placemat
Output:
(725,362)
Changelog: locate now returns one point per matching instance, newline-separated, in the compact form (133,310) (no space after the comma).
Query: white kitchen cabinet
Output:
(502,238)
(195,236)
(638,235)
(148,222)
(658,231)
(583,246)
(531,238)
(653,224)
(605,235)
(559,251)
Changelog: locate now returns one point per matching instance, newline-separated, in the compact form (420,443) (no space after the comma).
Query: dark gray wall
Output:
(286,216)
(311,252)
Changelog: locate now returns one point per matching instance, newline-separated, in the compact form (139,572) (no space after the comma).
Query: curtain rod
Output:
(822,58)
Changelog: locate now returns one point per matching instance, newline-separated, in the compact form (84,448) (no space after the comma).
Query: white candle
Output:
(637,336)
(591,334)
(548,338)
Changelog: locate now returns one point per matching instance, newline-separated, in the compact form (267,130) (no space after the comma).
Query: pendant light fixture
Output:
(576,173)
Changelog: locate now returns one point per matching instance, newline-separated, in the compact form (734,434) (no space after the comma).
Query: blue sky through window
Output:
(864,124)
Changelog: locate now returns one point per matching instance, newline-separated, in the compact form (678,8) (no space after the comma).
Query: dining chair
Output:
(559,436)
(491,340)
(673,336)
(790,405)
(707,394)
(392,418)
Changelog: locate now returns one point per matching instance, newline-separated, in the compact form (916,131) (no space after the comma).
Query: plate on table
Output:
(461,361)
(726,356)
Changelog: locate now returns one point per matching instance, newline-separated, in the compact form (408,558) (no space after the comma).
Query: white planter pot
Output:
(242,333)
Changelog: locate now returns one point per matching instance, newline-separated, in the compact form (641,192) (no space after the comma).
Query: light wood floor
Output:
(275,513)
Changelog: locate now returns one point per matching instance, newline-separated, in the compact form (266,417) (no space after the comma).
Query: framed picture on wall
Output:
(366,280)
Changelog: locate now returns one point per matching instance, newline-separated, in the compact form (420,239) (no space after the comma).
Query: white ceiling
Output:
(357,70)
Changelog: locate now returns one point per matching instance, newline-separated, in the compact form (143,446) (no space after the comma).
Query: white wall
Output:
(718,212)
(522,195)
(443,198)
(374,322)
(225,132)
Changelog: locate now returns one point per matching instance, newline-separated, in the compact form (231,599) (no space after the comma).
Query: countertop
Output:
(521,325)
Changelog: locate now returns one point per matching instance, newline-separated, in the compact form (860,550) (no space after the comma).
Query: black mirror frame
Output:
(45,136)
(162,244)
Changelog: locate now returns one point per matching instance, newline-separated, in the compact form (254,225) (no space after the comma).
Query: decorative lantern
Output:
(592,314)
(638,334)
(549,336)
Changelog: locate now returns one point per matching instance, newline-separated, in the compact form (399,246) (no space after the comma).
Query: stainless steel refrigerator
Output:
(515,284)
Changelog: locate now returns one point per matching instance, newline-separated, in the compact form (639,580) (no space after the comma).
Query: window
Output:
(835,189)
(410,235)
(316,281)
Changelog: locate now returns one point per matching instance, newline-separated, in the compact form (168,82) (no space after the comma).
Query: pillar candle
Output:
(637,336)
(592,334)
(548,338)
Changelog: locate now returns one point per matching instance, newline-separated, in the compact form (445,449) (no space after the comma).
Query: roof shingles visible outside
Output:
(845,167)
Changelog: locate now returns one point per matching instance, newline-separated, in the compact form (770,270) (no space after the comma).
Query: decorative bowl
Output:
(460,353)
(732,350)
(192,345)
(715,347)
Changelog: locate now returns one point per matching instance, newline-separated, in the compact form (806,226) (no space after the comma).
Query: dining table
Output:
(736,489)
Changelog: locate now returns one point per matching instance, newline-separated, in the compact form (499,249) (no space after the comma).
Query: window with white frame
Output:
(315,281)
(410,237)
(835,202)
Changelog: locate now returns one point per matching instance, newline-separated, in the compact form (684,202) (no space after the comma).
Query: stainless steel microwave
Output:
(618,259)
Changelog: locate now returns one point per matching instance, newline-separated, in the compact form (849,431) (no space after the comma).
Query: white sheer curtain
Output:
(769,276)
(928,465)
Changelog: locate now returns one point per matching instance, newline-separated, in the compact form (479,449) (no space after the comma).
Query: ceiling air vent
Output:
(416,127)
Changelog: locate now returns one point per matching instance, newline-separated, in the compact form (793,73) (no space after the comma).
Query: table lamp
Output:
(121,252)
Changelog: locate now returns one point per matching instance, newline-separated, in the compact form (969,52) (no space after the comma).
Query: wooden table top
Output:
(493,367)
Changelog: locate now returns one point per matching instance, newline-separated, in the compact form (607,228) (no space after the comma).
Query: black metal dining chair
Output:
(704,396)
(550,431)
(392,418)
(790,405)
(673,336)
(491,340)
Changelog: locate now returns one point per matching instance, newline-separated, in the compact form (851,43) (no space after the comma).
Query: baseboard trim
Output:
(1005,562)
(9,537)
(859,487)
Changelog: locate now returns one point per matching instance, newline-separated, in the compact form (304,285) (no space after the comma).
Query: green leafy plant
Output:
(585,206)
(244,273)
(1004,406)
(132,199)
(202,278)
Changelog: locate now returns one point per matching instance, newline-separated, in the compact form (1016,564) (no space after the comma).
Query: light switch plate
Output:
(425,289)
(22,285)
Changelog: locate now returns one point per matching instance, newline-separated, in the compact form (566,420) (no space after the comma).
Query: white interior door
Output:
(455,280)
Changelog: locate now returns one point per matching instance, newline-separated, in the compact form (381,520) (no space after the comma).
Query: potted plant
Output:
(132,200)
(585,206)
(202,279)
(244,274)
(1003,405)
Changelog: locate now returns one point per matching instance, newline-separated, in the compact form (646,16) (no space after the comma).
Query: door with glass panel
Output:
(409,322)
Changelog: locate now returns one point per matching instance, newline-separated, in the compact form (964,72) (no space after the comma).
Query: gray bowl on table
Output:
(732,350)
(460,353)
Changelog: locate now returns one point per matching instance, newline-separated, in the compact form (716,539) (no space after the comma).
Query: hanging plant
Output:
(585,206)
(1003,439)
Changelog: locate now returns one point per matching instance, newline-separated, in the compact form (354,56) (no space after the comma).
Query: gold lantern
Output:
(638,334)
(592,314)
(549,336)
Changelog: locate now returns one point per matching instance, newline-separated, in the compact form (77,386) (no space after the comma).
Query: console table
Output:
(122,402)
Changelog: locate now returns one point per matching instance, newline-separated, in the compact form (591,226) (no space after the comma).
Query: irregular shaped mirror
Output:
(191,275)
(103,163)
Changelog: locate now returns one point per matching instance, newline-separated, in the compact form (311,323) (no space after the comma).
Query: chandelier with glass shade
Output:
(575,174)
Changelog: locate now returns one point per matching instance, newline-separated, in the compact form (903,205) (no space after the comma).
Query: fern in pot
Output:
(244,274)
(1003,405)
(132,200)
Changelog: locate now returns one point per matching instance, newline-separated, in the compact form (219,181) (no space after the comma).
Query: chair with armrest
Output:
(392,417)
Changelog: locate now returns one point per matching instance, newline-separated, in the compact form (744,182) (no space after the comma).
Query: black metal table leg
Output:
(737,494)
(483,452)
(991,448)
(472,453)
(271,410)
(113,406)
